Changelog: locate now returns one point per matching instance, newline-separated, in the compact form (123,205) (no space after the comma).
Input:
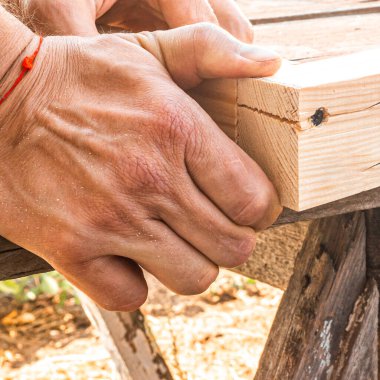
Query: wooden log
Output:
(373,253)
(358,358)
(329,276)
(373,243)
(129,341)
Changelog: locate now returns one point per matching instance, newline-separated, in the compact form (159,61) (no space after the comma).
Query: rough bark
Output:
(329,276)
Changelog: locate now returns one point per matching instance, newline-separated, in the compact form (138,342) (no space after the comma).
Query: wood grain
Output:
(304,341)
(320,38)
(358,358)
(263,11)
(218,98)
(276,250)
(310,161)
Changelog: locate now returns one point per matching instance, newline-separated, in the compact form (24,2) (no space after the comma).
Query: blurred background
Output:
(46,335)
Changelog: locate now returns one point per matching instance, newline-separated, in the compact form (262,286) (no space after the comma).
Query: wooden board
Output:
(339,157)
(315,128)
(264,11)
(320,38)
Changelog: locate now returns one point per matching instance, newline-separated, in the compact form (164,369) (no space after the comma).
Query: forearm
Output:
(14,38)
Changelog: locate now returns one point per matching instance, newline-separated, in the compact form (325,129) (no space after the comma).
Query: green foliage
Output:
(29,288)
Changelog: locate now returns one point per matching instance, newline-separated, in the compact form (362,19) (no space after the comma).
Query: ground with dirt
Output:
(217,335)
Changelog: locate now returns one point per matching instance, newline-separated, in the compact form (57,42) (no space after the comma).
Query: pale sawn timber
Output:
(313,127)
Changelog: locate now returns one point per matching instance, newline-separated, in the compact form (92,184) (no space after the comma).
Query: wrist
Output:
(21,110)
(15,38)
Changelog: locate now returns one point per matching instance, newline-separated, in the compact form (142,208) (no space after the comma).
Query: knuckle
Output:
(252,208)
(120,303)
(200,282)
(241,253)
(204,29)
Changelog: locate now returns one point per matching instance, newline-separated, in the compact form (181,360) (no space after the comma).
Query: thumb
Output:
(204,51)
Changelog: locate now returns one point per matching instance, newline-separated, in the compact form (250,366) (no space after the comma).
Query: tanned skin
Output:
(107,166)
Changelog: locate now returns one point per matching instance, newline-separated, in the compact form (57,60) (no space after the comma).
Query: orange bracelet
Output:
(27,65)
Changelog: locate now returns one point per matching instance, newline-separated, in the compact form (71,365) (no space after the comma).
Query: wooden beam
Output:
(358,358)
(307,39)
(363,201)
(305,339)
(313,127)
(264,12)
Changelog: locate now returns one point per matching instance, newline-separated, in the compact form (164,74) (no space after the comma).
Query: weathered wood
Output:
(129,341)
(373,253)
(363,201)
(373,243)
(305,337)
(358,358)
(17,262)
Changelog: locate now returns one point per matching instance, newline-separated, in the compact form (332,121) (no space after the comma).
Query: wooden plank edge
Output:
(316,15)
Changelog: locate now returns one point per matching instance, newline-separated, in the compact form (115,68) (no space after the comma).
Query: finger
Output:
(198,221)
(185,12)
(114,283)
(232,19)
(174,262)
(205,51)
(230,178)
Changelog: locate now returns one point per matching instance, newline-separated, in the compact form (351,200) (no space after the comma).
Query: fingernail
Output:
(258,54)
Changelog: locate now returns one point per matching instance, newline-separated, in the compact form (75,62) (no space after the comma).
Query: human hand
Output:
(78,17)
(107,165)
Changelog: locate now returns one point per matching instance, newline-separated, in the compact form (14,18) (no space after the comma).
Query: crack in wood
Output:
(372,166)
(271,115)
(297,124)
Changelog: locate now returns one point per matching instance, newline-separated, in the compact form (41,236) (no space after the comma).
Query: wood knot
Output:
(320,115)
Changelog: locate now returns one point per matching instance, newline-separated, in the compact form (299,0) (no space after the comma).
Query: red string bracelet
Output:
(27,65)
